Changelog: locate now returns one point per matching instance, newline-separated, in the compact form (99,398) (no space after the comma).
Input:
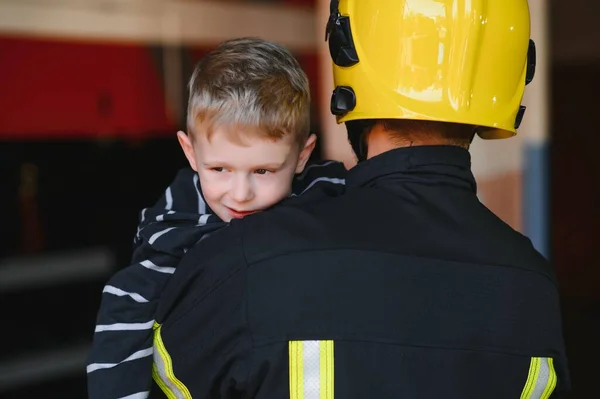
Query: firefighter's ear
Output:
(305,152)
(188,149)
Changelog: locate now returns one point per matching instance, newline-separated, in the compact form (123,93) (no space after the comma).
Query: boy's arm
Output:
(120,360)
(182,203)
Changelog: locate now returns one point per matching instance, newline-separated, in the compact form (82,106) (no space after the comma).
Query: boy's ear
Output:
(188,149)
(308,148)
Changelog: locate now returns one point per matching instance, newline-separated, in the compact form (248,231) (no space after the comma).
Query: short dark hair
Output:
(404,131)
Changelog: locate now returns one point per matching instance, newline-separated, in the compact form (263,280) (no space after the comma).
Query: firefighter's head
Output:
(449,61)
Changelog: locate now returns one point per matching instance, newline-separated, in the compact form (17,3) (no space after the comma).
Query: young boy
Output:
(248,144)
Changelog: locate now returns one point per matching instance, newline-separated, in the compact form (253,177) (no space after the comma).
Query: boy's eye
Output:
(261,171)
(217,169)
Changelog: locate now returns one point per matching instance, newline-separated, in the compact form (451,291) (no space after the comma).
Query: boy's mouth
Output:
(239,214)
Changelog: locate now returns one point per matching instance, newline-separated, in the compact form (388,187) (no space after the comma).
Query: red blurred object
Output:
(53,89)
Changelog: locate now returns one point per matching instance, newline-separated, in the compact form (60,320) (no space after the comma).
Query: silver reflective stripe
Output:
(545,376)
(312,369)
(311,366)
(139,395)
(162,370)
(161,373)
(541,380)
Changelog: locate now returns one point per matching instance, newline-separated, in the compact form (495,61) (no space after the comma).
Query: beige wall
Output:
(158,21)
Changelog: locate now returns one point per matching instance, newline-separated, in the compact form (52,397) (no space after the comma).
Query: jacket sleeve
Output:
(120,361)
(202,340)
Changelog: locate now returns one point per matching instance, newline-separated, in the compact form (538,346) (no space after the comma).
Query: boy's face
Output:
(238,180)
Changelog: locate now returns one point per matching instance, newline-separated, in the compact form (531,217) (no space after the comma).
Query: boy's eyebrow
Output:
(272,165)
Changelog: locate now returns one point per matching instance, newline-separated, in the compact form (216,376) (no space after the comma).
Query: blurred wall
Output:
(120,67)
(92,94)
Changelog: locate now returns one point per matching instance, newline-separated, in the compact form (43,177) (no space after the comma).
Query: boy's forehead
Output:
(240,134)
(244,148)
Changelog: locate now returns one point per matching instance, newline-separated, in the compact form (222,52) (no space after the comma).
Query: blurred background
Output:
(93,91)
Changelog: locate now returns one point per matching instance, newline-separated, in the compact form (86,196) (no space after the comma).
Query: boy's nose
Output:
(242,191)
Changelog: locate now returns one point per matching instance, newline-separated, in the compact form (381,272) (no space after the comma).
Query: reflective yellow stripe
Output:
(311,369)
(296,370)
(326,373)
(531,378)
(541,379)
(162,370)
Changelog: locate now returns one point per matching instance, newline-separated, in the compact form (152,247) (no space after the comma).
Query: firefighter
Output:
(404,285)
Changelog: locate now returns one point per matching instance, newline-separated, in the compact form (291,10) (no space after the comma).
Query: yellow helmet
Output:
(440,60)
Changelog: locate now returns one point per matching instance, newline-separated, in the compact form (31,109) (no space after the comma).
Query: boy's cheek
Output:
(211,188)
(278,188)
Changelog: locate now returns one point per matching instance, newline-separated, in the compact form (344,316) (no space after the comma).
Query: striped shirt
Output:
(120,360)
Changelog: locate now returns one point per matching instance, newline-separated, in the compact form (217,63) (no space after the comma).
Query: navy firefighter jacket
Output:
(404,285)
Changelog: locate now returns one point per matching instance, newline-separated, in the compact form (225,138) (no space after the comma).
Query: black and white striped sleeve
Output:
(120,360)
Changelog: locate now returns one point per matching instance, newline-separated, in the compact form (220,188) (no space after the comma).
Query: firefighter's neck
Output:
(380,140)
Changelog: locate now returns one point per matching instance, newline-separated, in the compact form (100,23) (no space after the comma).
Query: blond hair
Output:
(250,82)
